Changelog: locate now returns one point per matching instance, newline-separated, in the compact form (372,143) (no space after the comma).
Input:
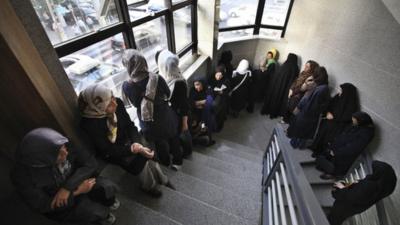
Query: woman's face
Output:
(198,86)
(307,67)
(269,55)
(62,154)
(354,121)
(112,106)
(218,76)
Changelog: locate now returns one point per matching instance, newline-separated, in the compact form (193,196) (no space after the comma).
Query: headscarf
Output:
(345,104)
(93,102)
(168,66)
(40,148)
(226,57)
(266,62)
(136,65)
(385,178)
(242,69)
(363,119)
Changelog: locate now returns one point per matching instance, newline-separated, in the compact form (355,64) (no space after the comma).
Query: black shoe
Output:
(210,143)
(314,155)
(326,176)
(170,185)
(110,220)
(155,193)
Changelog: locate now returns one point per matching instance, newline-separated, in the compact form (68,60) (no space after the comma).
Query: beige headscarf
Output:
(168,66)
(93,102)
(136,65)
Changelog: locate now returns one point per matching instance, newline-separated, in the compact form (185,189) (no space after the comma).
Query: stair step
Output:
(313,175)
(302,156)
(226,154)
(132,213)
(243,187)
(216,196)
(237,170)
(178,206)
(239,147)
(324,195)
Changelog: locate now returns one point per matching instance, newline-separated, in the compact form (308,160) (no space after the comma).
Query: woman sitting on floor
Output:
(344,150)
(116,138)
(220,91)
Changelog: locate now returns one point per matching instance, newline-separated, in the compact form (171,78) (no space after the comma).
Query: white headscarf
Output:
(168,66)
(243,68)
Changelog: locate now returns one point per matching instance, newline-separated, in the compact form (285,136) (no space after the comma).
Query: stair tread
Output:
(313,175)
(324,195)
(221,198)
(237,146)
(242,186)
(238,170)
(177,206)
(131,213)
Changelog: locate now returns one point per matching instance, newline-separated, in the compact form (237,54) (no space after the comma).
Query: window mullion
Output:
(123,12)
(260,11)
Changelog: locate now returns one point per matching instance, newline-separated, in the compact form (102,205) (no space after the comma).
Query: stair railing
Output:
(285,186)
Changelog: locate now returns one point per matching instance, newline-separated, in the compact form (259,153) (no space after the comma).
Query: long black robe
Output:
(221,100)
(310,107)
(342,107)
(275,104)
(360,196)
(261,79)
(226,60)
(240,96)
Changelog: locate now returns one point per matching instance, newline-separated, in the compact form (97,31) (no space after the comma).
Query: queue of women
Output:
(61,182)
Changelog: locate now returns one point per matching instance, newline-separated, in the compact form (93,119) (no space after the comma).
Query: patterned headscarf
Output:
(168,66)
(93,102)
(136,64)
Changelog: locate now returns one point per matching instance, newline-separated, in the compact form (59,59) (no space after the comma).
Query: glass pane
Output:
(64,20)
(231,35)
(275,12)
(183,27)
(98,63)
(270,33)
(151,37)
(141,10)
(237,13)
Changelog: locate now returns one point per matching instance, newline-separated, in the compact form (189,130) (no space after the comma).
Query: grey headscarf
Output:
(136,65)
(40,147)
(168,66)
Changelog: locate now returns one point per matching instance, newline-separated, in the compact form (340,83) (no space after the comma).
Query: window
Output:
(183,27)
(264,17)
(65,20)
(275,12)
(98,63)
(151,37)
(89,36)
(235,13)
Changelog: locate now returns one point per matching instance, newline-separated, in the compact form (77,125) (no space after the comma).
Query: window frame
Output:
(257,23)
(125,26)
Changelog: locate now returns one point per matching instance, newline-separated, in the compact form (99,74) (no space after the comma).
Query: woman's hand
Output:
(146,152)
(60,199)
(290,93)
(329,116)
(136,148)
(339,185)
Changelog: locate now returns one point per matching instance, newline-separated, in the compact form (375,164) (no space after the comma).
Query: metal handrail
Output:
(308,211)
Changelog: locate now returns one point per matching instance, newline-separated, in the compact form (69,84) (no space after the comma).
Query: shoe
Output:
(115,205)
(154,192)
(110,220)
(170,185)
(175,167)
(326,176)
(210,143)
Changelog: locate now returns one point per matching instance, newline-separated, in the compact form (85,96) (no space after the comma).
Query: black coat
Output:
(310,107)
(240,96)
(360,196)
(165,121)
(342,107)
(118,152)
(275,102)
(349,145)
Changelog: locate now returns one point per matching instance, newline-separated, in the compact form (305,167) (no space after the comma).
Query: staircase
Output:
(216,185)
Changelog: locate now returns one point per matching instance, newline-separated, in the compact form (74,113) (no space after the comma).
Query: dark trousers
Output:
(166,147)
(89,208)
(325,163)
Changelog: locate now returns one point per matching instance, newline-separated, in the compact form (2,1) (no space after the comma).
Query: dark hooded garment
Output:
(37,178)
(240,87)
(275,102)
(358,197)
(261,81)
(226,60)
(119,152)
(221,98)
(342,107)
(348,146)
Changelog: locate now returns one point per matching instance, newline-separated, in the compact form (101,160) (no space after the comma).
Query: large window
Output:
(267,18)
(90,36)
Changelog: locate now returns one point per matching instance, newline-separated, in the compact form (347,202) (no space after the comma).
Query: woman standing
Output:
(149,93)
(220,91)
(240,91)
(168,66)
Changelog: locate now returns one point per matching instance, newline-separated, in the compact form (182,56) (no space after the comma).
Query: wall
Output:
(358,42)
